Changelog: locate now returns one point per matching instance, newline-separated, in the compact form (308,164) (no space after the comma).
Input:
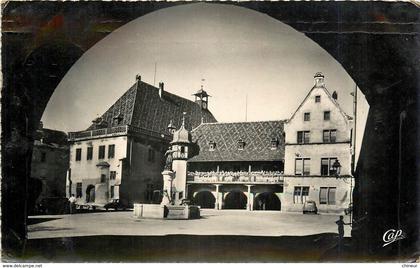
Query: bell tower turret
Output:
(202,98)
(180,144)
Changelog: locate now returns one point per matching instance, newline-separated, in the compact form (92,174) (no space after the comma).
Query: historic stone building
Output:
(50,161)
(236,165)
(261,166)
(120,156)
(318,149)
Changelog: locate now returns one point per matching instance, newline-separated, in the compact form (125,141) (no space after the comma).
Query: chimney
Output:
(138,77)
(335,95)
(319,79)
(161,89)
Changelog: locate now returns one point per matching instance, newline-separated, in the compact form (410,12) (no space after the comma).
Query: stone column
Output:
(221,199)
(216,204)
(168,176)
(250,199)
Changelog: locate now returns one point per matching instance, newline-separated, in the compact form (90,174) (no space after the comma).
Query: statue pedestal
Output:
(168,177)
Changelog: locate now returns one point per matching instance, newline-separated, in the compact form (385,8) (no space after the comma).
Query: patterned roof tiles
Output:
(257,138)
(141,106)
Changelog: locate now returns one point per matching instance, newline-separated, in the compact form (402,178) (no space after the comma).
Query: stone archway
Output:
(204,199)
(381,59)
(235,200)
(90,194)
(267,201)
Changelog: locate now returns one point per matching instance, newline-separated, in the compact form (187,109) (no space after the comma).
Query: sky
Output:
(246,58)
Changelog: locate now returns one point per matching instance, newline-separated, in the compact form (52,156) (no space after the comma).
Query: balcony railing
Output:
(255,177)
(114,131)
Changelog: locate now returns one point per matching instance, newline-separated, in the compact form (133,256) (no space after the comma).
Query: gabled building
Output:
(120,156)
(236,165)
(318,152)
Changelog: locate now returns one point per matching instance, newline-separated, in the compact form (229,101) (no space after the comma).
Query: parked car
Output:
(310,207)
(115,204)
(349,210)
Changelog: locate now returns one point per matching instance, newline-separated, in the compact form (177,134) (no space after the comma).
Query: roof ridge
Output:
(242,122)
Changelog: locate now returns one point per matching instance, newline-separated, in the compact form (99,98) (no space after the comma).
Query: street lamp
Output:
(336,167)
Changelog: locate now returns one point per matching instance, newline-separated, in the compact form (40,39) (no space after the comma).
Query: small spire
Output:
(183,119)
(202,83)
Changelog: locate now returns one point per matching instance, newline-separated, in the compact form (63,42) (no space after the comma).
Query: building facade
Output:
(274,165)
(120,156)
(50,162)
(318,150)
(236,165)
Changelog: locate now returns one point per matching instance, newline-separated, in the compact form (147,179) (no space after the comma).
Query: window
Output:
(78,154)
(327,195)
(300,193)
(327,166)
(112,175)
(89,154)
(274,143)
(112,191)
(318,98)
(307,117)
(43,156)
(327,115)
(329,136)
(151,155)
(302,166)
(101,154)
(78,189)
(111,151)
(303,137)
(241,144)
(103,178)
(212,146)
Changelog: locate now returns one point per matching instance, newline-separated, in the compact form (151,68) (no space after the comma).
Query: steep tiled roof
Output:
(256,135)
(141,106)
(51,136)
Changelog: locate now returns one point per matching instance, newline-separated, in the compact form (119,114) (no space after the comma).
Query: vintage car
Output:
(310,207)
(115,204)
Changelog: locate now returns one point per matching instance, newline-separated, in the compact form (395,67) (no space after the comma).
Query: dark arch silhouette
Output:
(204,199)
(267,201)
(380,58)
(235,200)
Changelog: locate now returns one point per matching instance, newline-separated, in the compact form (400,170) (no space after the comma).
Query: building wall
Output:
(343,185)
(87,172)
(51,168)
(317,123)
(316,149)
(143,172)
(315,152)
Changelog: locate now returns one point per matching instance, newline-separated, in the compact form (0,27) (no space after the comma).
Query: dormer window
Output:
(241,144)
(117,119)
(274,143)
(212,146)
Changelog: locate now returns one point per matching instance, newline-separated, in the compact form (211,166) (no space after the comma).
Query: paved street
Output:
(212,222)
